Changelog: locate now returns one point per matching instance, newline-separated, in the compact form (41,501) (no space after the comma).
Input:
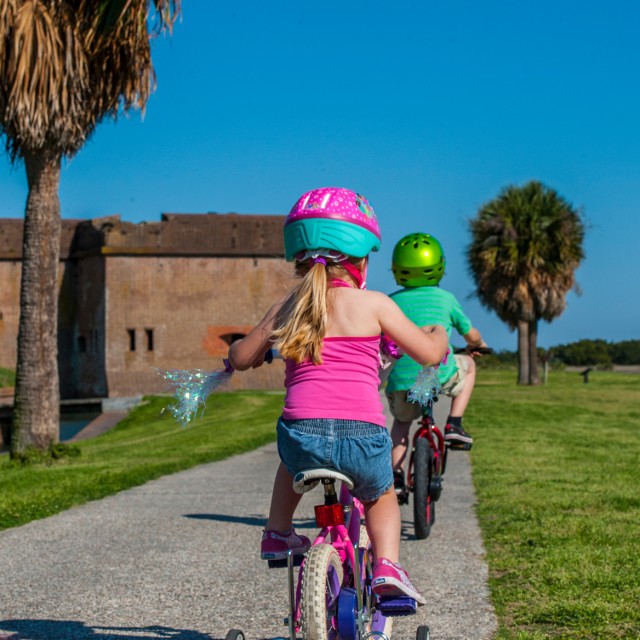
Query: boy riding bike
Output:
(418,264)
(328,331)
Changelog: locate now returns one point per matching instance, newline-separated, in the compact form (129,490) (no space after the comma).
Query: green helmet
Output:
(418,261)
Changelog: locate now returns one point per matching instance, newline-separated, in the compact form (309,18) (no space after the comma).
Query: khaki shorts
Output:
(405,411)
(455,384)
(401,409)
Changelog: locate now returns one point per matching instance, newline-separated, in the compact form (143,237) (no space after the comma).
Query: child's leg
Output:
(383,524)
(404,413)
(284,501)
(459,403)
(400,442)
(278,538)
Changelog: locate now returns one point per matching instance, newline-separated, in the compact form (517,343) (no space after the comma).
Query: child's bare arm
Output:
(427,345)
(249,351)
(474,341)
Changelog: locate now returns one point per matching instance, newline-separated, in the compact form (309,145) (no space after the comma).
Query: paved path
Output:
(177,558)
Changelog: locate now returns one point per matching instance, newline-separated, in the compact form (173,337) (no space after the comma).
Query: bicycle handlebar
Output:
(485,351)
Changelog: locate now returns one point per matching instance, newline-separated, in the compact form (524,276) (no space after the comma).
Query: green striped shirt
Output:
(424,306)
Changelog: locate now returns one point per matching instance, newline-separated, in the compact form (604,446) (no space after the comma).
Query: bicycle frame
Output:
(355,612)
(434,436)
(343,533)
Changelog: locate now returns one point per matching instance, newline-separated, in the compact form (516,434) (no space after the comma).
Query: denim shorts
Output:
(361,450)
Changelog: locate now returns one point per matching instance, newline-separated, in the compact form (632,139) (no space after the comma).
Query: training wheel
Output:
(235,634)
(423,633)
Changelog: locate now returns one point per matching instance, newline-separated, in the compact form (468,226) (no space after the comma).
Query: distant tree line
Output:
(576,354)
(597,352)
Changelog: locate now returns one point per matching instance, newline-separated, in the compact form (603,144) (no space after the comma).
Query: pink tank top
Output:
(344,386)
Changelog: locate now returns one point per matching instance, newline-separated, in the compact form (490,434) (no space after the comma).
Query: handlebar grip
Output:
(485,351)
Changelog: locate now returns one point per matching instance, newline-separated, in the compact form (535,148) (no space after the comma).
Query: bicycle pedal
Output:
(459,446)
(282,563)
(396,606)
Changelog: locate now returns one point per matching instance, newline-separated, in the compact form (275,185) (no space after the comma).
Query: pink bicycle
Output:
(331,598)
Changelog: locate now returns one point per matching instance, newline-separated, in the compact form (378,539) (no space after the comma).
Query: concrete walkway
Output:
(178,558)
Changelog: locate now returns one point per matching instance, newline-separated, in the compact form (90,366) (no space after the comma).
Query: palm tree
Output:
(526,245)
(64,66)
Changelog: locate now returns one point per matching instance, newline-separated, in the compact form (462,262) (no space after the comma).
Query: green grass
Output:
(146,445)
(556,470)
(7,378)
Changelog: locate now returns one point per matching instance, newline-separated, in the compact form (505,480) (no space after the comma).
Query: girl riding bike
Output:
(328,331)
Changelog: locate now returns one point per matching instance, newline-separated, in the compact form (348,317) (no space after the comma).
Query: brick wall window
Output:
(149,334)
(229,338)
(132,339)
(219,337)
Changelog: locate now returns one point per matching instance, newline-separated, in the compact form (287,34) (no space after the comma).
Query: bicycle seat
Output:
(308,478)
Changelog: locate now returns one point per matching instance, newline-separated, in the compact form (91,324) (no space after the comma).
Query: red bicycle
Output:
(427,463)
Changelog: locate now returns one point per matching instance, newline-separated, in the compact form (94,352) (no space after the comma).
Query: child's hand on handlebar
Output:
(482,350)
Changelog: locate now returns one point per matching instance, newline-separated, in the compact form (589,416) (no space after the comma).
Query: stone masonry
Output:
(135,297)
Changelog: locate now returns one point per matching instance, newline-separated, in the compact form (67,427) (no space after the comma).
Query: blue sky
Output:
(428,109)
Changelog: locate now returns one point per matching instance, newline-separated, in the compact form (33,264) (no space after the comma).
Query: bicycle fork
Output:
(291,618)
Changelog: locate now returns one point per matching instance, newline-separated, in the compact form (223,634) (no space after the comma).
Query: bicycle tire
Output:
(234,634)
(422,503)
(423,633)
(322,576)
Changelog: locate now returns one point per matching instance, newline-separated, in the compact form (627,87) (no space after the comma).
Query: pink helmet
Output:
(331,218)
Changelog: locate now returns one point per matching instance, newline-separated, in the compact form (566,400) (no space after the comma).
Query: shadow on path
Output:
(74,630)
(253,521)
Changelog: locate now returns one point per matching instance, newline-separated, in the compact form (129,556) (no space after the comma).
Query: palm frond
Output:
(525,247)
(67,64)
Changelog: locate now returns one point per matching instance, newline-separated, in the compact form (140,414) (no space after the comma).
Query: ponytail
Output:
(301,323)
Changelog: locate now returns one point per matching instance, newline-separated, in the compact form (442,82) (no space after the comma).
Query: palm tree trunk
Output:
(533,353)
(36,416)
(523,352)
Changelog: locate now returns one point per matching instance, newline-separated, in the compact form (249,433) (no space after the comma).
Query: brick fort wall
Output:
(168,294)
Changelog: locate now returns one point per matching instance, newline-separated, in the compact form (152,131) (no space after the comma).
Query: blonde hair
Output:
(301,323)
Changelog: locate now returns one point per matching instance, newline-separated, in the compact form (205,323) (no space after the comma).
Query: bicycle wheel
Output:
(422,475)
(423,633)
(234,634)
(321,583)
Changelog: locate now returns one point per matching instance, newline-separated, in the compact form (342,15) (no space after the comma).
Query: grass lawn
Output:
(557,475)
(7,378)
(556,469)
(146,445)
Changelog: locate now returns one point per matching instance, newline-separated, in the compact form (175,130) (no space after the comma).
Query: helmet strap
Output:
(359,276)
